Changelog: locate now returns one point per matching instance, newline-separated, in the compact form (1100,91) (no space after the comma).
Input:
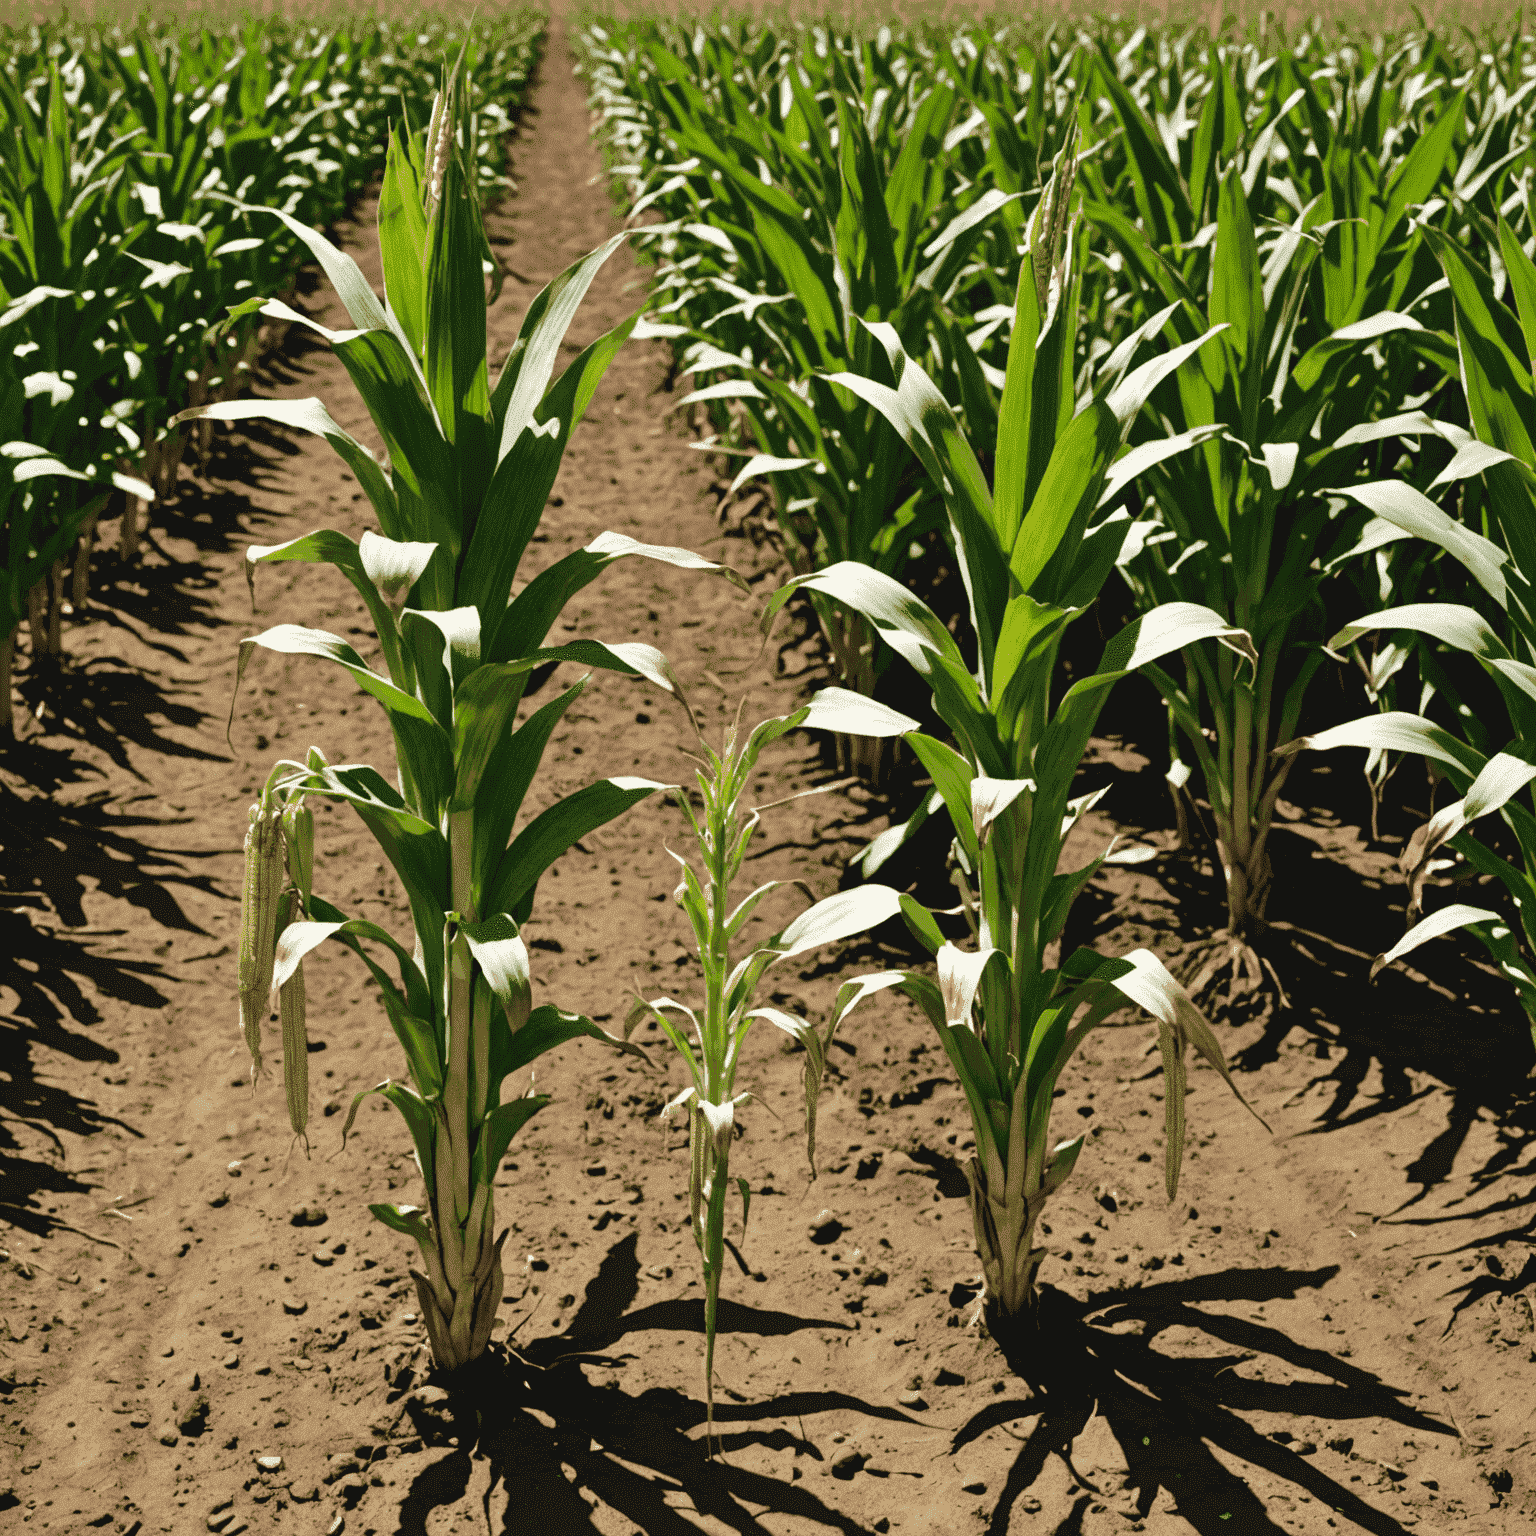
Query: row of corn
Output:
(1212,325)
(142,168)
(1335,232)
(463,648)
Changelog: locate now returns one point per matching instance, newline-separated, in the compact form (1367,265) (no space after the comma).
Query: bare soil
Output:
(1330,1329)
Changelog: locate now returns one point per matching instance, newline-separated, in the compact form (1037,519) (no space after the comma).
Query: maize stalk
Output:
(1008,1019)
(80,581)
(724,832)
(470,465)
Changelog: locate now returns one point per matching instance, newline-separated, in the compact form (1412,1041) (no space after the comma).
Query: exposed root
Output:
(1254,984)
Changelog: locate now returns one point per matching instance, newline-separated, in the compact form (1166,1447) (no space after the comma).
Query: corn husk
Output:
(261,899)
(295,1040)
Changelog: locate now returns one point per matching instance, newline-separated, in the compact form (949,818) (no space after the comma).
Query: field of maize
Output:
(671,684)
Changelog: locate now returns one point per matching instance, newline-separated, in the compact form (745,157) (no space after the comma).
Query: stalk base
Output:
(1045,1344)
(1254,986)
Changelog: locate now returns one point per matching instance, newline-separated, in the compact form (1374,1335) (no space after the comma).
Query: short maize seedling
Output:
(724,828)
(471,466)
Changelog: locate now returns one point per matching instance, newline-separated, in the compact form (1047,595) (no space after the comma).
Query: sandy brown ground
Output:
(1271,1349)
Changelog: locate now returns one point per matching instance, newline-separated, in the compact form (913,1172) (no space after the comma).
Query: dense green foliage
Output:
(134,156)
(1285,193)
(1240,328)
(910,274)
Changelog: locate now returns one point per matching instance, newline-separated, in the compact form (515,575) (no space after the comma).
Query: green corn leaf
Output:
(409,1220)
(1398,731)
(528,368)
(879,850)
(1446,920)
(1450,623)
(299,938)
(1012,489)
(311,416)
(326,547)
(1522,282)
(1415,513)
(509,771)
(547,1028)
(1237,291)
(905,622)
(497,1131)
(1069,490)
(455,359)
(393,566)
(552,832)
(295,640)
(528,617)
(831,709)
(835,918)
(502,957)
(419,1116)
(952,777)
(1314,362)
(920,924)
(403,243)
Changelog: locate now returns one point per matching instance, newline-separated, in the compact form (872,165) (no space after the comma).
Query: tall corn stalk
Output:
(470,469)
(1488,756)
(1011,1012)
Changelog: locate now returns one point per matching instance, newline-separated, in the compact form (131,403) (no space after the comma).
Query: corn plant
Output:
(723,827)
(1309,385)
(471,465)
(38,535)
(1495,473)
(1010,1013)
(66,371)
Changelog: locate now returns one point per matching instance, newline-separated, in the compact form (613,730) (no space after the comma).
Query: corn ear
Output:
(299,842)
(261,898)
(295,1041)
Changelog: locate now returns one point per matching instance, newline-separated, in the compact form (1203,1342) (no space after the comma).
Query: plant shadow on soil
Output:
(535,1414)
(54,851)
(1380,1046)
(53,854)
(1166,1413)
(568,1445)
